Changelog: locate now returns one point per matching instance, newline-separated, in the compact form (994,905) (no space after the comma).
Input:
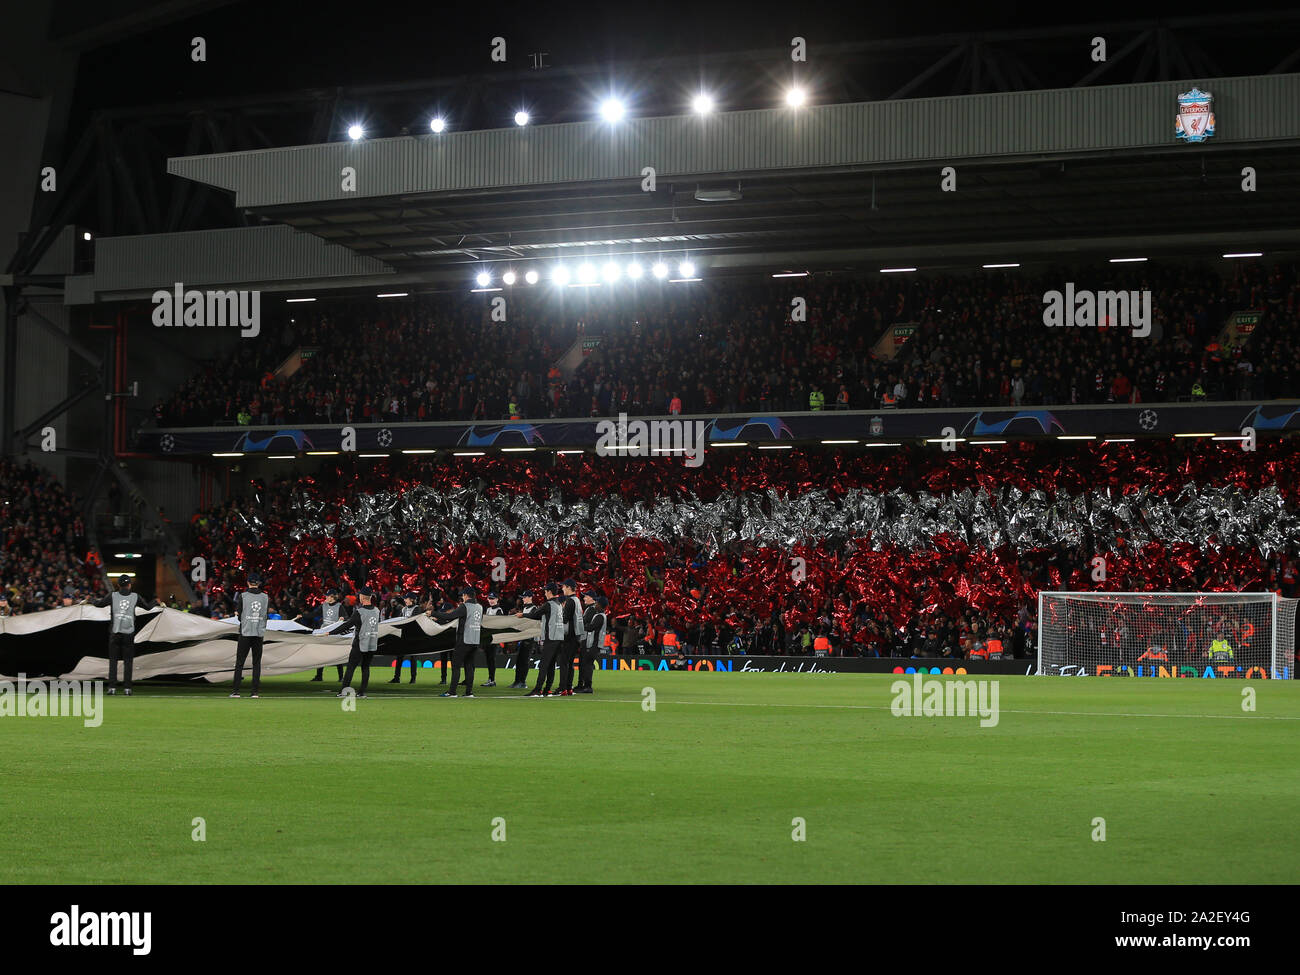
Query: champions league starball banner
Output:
(1156,419)
(72,642)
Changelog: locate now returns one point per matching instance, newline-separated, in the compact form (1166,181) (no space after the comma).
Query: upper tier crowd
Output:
(731,346)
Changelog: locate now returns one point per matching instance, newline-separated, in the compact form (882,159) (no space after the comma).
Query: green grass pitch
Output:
(703,789)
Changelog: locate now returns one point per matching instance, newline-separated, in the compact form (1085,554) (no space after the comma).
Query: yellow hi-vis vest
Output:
(1219,650)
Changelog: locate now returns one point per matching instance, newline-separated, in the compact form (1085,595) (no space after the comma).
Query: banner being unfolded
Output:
(72,642)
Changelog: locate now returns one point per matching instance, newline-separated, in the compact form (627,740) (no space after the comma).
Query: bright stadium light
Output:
(701,104)
(611,272)
(660,270)
(437,124)
(560,275)
(483,278)
(531,277)
(612,110)
(635,270)
(355,132)
(521,117)
(586,273)
(508,278)
(686,269)
(795,97)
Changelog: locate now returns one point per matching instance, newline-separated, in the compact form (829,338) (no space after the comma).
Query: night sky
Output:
(272,45)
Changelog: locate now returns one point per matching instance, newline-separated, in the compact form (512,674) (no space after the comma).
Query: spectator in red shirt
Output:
(1120,388)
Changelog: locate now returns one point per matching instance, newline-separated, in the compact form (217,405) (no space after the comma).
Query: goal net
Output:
(1166,634)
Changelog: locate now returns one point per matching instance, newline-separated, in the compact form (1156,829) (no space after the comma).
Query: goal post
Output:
(1166,634)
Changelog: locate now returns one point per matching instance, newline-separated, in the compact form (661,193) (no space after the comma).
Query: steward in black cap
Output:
(523,648)
(327,615)
(575,634)
(469,631)
(121,630)
(551,614)
(493,608)
(364,621)
(253,607)
(596,626)
(408,609)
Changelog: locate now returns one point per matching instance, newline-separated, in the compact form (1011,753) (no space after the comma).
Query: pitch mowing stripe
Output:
(758,704)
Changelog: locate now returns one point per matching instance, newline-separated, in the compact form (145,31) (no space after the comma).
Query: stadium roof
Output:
(1051,172)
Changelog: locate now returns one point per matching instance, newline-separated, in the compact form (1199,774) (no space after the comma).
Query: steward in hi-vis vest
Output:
(523,648)
(551,614)
(364,621)
(409,609)
(575,635)
(1220,651)
(121,632)
(253,607)
(328,616)
(469,630)
(596,625)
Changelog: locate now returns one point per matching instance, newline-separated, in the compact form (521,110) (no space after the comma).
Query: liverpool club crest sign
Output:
(1195,122)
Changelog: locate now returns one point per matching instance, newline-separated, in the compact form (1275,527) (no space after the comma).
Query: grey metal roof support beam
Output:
(1258,108)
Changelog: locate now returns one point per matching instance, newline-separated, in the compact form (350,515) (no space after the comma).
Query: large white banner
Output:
(173,643)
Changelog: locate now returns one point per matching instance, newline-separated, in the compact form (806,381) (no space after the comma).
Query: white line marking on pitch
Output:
(750,704)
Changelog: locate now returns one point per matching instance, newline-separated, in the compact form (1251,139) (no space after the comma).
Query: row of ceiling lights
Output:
(612,110)
(612,271)
(586,274)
